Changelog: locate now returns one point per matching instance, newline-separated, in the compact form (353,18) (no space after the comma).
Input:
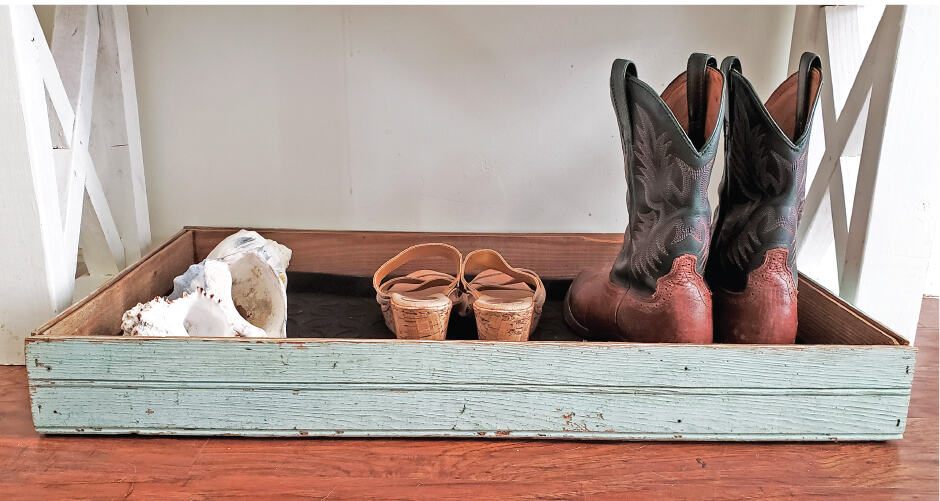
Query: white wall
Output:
(416,118)
(410,118)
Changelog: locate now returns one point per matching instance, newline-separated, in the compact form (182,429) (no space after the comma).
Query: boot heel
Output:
(420,318)
(504,321)
(765,311)
(680,311)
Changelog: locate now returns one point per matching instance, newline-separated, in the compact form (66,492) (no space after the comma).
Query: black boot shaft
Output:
(763,187)
(668,166)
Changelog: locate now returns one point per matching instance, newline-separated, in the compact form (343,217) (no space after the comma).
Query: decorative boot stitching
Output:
(661,203)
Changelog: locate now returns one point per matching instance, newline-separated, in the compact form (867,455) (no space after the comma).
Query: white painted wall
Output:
(424,118)
(410,118)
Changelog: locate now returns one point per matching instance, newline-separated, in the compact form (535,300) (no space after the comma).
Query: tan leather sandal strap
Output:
(418,284)
(489,259)
(417,252)
(539,289)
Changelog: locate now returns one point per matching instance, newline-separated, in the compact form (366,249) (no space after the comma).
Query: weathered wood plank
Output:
(552,255)
(43,466)
(100,313)
(391,411)
(592,365)
(826,319)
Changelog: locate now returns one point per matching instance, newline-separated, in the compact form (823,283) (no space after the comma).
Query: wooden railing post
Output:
(52,198)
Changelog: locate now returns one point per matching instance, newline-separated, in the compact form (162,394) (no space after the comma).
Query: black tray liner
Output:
(321,305)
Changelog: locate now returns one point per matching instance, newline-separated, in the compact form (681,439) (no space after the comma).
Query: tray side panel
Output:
(100,313)
(360,253)
(596,391)
(826,319)
(391,411)
(466,362)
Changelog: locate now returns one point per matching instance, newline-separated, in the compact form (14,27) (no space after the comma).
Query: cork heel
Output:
(506,302)
(420,318)
(504,321)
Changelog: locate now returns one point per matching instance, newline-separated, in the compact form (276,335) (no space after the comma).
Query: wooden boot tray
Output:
(340,373)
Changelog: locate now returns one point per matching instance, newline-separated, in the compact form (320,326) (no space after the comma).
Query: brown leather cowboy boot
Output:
(654,292)
(752,268)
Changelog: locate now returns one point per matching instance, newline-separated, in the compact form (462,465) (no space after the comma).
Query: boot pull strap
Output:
(804,89)
(727,65)
(618,96)
(730,63)
(696,79)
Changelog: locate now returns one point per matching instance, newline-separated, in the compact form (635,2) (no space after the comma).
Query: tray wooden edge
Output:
(195,232)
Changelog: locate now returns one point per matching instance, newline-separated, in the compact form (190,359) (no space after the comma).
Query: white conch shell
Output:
(195,315)
(214,277)
(243,282)
(275,254)
(248,274)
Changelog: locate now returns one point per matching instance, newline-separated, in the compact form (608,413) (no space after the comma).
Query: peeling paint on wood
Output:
(850,381)
(450,389)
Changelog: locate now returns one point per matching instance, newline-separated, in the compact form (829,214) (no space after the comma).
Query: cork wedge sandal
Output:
(506,302)
(418,305)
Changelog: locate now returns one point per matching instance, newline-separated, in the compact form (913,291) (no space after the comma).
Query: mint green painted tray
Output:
(849,380)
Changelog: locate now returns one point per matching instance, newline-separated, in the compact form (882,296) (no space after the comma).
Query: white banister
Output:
(52,196)
(885,124)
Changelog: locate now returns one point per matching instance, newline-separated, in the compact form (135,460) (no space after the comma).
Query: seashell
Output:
(245,279)
(215,278)
(247,273)
(195,315)
(275,254)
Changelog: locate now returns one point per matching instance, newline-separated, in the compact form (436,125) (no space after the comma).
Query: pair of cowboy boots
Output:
(680,276)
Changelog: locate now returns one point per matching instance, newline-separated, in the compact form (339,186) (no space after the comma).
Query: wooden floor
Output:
(50,467)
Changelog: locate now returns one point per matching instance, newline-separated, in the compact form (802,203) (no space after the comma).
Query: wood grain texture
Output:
(551,255)
(826,319)
(392,411)
(99,314)
(617,391)
(594,365)
(59,467)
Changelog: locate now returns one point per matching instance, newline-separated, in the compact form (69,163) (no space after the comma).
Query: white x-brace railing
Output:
(878,119)
(75,175)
